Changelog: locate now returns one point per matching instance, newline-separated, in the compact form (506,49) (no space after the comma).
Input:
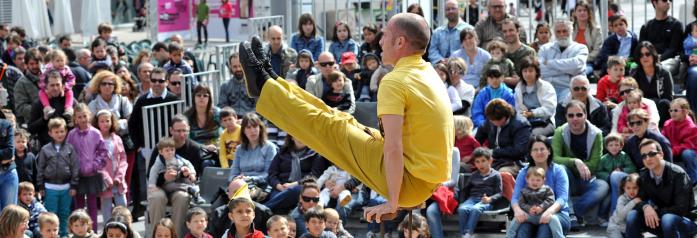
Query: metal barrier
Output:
(209,78)
(222,53)
(156,120)
(261,24)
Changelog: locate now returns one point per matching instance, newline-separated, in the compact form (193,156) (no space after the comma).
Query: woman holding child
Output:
(553,221)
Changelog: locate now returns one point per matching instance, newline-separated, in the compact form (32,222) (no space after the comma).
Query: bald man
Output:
(406,160)
(282,56)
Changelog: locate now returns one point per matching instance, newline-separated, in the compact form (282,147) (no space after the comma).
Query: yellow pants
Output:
(338,137)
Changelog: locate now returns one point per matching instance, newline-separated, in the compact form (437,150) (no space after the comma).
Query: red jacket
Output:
(225,10)
(608,90)
(205,235)
(466,145)
(682,135)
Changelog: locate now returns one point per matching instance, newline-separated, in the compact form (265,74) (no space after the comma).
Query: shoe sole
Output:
(244,53)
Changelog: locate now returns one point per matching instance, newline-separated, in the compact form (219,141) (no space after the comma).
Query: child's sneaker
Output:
(196,198)
(345,198)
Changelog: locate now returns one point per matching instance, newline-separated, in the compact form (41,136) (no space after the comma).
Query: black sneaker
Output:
(254,73)
(258,51)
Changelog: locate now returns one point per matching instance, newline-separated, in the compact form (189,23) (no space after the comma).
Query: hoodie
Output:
(300,75)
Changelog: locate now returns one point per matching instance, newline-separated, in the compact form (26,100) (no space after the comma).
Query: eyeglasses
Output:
(157,80)
(310,199)
(497,6)
(635,123)
(107,84)
(576,89)
(203,95)
(623,92)
(650,154)
(674,110)
(175,83)
(572,115)
(667,0)
(645,54)
(326,64)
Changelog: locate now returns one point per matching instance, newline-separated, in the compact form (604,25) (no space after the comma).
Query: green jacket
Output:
(609,163)
(201,12)
(562,150)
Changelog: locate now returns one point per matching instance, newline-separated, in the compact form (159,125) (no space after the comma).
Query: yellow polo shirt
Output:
(228,143)
(415,91)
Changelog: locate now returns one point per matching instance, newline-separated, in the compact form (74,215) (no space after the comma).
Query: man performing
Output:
(409,157)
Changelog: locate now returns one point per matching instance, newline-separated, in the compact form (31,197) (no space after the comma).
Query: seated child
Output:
(277,227)
(334,224)
(465,142)
(230,137)
(305,69)
(315,219)
(242,215)
(167,161)
(292,227)
(331,177)
(80,225)
(371,62)
(483,188)
(608,90)
(614,160)
(418,228)
(35,208)
(534,200)
(48,225)
(497,49)
(625,203)
(196,222)
(633,101)
(336,97)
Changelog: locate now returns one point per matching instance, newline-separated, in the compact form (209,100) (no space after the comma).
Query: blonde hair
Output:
(634,96)
(639,113)
(330,212)
(463,126)
(535,171)
(48,218)
(82,216)
(101,76)
(12,216)
(26,187)
(683,104)
(614,137)
(629,82)
(56,122)
(123,212)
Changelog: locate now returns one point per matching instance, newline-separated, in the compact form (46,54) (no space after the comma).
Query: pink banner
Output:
(173,15)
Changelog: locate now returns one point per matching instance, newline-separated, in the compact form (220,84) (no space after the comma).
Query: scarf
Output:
(114,105)
(295,171)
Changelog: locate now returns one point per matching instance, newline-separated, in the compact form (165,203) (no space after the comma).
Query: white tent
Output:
(94,12)
(62,17)
(33,16)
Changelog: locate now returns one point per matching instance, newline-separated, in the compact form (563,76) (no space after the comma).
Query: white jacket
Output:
(335,174)
(558,67)
(654,117)
(545,94)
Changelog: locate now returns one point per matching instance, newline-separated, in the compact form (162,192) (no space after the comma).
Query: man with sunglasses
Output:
(666,34)
(491,27)
(157,94)
(409,157)
(595,110)
(668,189)
(174,82)
(562,59)
(318,84)
(578,145)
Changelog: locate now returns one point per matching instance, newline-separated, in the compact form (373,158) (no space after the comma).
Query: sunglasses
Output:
(576,89)
(645,54)
(497,6)
(310,199)
(635,123)
(667,1)
(326,64)
(650,154)
(107,84)
(175,83)
(623,92)
(572,115)
(674,110)
(157,80)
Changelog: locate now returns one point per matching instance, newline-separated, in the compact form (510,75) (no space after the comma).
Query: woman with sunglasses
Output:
(309,198)
(107,88)
(578,146)
(596,111)
(540,155)
(654,80)
(204,118)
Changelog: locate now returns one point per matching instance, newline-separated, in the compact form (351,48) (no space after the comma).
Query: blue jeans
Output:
(591,192)
(435,223)
(615,179)
(691,86)
(117,198)
(345,211)
(284,200)
(671,225)
(468,214)
(9,184)
(554,226)
(589,69)
(527,229)
(59,202)
(689,158)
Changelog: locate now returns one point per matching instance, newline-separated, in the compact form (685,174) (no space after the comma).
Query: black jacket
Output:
(135,121)
(673,195)
(311,163)
(611,46)
(39,126)
(82,77)
(512,143)
(660,87)
(666,35)
(632,147)
(190,151)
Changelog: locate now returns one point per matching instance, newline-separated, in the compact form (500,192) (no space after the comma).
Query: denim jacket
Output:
(314,45)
